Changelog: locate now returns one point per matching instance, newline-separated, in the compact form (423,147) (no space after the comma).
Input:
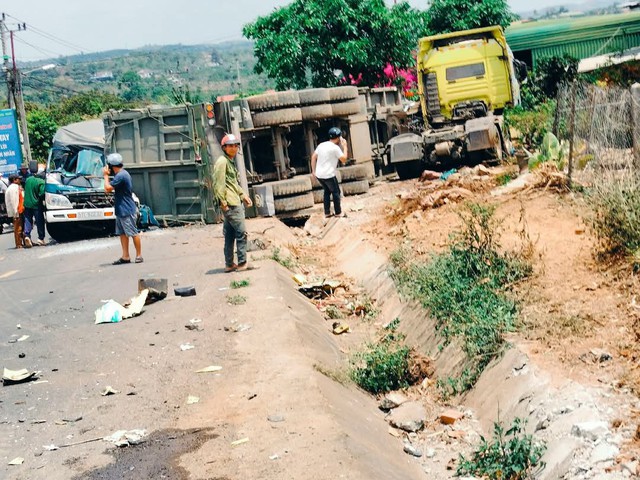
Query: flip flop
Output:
(121,261)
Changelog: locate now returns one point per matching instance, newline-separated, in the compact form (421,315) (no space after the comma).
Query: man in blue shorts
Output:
(125,208)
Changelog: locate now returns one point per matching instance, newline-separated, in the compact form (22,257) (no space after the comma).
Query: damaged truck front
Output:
(465,80)
(76,204)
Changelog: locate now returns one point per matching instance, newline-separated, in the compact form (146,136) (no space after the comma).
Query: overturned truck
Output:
(465,80)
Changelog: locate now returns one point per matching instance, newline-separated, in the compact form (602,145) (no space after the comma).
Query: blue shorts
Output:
(127,225)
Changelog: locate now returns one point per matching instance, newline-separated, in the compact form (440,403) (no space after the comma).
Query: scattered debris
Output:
(72,419)
(209,369)
(240,327)
(124,438)
(276,418)
(392,400)
(23,338)
(275,456)
(450,416)
(239,442)
(109,390)
(186,346)
(158,288)
(339,328)
(10,377)
(16,461)
(184,291)
(409,416)
(320,289)
(191,399)
(412,450)
(113,312)
(50,448)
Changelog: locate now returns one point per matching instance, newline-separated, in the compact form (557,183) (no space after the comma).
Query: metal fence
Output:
(601,127)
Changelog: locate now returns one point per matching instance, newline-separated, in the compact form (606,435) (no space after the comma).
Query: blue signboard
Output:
(10,148)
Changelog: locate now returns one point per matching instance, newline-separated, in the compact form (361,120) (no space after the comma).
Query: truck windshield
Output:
(465,71)
(77,161)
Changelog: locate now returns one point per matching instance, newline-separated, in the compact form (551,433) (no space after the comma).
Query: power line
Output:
(42,82)
(49,36)
(41,50)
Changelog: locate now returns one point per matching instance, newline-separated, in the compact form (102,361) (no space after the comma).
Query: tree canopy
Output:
(444,16)
(325,42)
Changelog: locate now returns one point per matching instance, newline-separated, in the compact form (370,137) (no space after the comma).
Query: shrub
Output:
(383,366)
(239,283)
(616,217)
(511,455)
(465,290)
(533,124)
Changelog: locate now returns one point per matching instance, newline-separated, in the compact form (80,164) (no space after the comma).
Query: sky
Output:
(67,27)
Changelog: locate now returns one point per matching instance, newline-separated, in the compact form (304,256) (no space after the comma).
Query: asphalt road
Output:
(50,294)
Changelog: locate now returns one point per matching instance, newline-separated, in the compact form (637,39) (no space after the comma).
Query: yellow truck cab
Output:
(465,80)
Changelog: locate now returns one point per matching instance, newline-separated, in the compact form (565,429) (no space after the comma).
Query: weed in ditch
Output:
(383,366)
(285,260)
(239,283)
(365,308)
(465,290)
(236,299)
(505,178)
(510,455)
(333,312)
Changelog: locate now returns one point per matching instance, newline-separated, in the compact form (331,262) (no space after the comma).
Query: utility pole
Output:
(5,62)
(17,93)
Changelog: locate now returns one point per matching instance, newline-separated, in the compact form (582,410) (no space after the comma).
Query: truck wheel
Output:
(407,170)
(355,188)
(277,117)
(337,94)
(270,101)
(291,186)
(354,172)
(318,195)
(291,204)
(344,109)
(316,112)
(313,96)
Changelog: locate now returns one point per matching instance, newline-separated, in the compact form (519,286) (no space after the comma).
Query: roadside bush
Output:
(616,218)
(511,455)
(465,290)
(532,124)
(383,366)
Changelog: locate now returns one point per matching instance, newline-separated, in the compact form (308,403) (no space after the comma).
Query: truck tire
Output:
(407,170)
(313,96)
(353,172)
(344,109)
(291,186)
(277,117)
(291,204)
(315,184)
(318,195)
(316,112)
(270,101)
(355,188)
(338,94)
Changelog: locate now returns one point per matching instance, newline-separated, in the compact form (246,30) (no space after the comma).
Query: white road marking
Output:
(9,273)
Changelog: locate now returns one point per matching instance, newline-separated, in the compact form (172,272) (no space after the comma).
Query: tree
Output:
(325,42)
(446,16)
(42,127)
(133,88)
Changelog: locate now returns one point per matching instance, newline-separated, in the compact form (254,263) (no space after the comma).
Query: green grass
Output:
(465,289)
(383,366)
(239,283)
(285,260)
(236,299)
(510,455)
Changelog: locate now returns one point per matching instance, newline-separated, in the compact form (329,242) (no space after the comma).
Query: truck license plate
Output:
(90,214)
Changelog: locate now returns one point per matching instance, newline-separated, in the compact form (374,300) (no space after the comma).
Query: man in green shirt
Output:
(230,197)
(33,208)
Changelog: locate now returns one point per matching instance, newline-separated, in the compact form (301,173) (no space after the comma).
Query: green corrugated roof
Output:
(566,34)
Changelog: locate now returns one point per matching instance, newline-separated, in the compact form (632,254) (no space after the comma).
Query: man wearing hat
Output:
(230,197)
(124,206)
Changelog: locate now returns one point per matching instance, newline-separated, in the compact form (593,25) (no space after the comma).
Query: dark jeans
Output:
(29,215)
(234,231)
(331,188)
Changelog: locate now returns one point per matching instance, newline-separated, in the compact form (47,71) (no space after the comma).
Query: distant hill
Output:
(149,74)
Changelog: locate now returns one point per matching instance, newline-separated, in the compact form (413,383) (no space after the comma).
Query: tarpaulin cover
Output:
(89,133)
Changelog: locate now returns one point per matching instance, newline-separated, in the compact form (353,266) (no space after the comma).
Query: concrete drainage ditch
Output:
(576,422)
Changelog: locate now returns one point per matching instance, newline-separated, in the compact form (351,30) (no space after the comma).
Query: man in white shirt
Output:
(12,202)
(324,163)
